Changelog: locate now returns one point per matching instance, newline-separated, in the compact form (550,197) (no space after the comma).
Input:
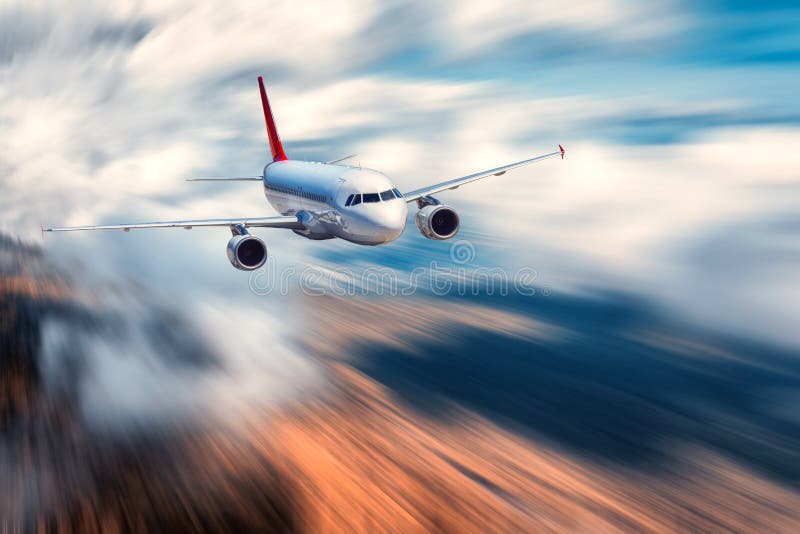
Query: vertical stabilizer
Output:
(272,132)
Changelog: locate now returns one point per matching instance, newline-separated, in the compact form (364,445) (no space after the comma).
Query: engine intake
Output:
(437,221)
(247,252)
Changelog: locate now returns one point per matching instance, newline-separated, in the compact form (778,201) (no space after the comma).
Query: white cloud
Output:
(201,42)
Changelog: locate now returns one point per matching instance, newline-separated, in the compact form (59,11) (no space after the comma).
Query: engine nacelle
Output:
(437,221)
(247,252)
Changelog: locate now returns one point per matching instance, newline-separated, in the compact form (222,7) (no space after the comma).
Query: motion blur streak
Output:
(655,386)
(365,464)
(401,440)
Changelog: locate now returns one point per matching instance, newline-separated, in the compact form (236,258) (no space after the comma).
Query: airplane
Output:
(328,200)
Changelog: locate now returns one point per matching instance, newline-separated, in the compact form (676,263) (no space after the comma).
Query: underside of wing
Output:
(458,182)
(289,222)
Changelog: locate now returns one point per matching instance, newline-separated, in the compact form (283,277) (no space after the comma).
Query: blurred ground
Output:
(559,415)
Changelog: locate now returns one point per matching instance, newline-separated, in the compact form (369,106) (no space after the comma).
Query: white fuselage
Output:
(318,193)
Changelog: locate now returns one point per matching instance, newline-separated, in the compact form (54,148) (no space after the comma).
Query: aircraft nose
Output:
(391,221)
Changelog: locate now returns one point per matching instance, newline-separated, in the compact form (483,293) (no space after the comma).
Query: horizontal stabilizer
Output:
(340,159)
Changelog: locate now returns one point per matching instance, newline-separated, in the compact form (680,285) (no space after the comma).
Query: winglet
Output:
(561,148)
(272,132)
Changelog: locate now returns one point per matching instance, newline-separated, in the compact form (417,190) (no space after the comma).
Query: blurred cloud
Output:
(599,23)
(673,135)
(666,242)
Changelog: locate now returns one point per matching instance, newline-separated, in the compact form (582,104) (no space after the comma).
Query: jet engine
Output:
(437,221)
(246,252)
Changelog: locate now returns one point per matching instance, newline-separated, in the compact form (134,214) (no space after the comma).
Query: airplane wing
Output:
(458,182)
(290,222)
(237,179)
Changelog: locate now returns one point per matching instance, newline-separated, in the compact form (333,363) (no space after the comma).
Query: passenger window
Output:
(387,195)
(397,193)
(356,199)
(371,197)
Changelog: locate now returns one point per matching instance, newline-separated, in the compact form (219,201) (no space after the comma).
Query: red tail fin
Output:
(272,132)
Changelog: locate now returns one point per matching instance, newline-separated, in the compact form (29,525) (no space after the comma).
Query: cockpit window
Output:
(358,198)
